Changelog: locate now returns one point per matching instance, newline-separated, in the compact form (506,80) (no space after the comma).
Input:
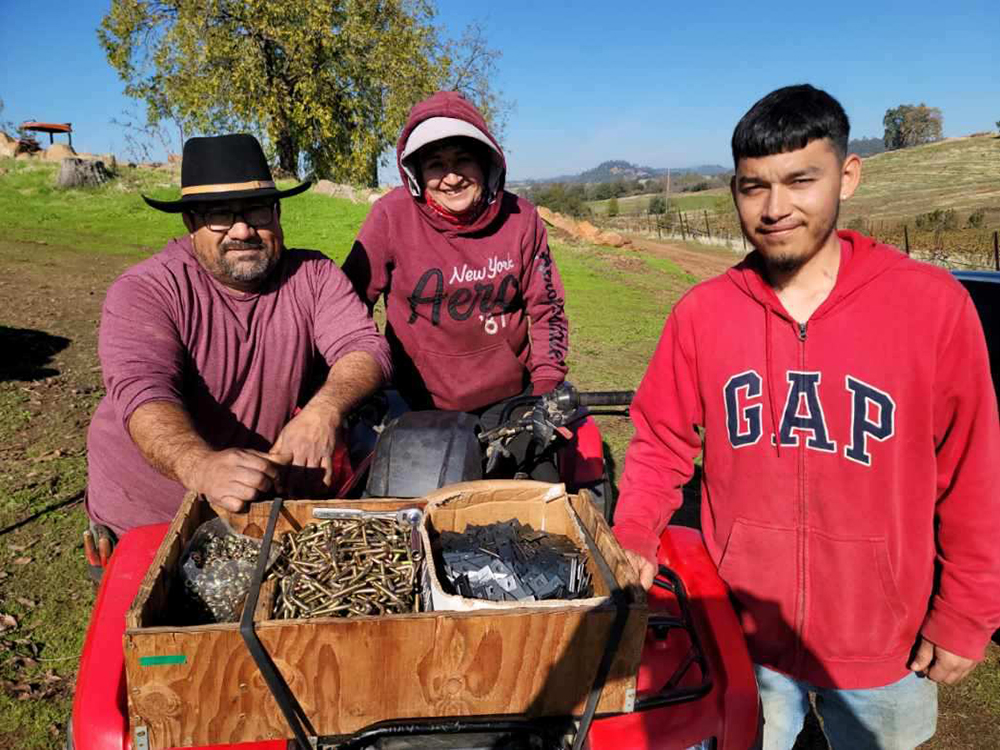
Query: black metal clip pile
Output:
(510,561)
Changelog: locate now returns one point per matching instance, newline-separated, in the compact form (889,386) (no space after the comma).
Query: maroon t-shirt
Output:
(238,363)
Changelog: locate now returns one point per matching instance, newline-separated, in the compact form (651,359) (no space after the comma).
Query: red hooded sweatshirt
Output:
(875,517)
(459,298)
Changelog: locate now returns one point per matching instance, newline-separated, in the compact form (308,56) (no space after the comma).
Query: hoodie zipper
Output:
(803,522)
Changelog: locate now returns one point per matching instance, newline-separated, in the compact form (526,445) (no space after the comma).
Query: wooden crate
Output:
(199,685)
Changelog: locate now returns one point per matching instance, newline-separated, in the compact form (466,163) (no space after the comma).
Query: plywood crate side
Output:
(199,685)
(563,514)
(608,544)
(348,674)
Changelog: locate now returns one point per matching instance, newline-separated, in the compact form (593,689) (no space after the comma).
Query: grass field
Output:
(59,253)
(115,219)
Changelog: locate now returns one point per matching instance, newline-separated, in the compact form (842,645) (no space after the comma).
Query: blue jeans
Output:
(896,717)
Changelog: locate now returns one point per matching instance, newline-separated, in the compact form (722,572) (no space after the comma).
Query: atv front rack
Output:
(553,731)
(661,625)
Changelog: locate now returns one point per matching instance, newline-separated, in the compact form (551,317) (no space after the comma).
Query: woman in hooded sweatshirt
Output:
(474,303)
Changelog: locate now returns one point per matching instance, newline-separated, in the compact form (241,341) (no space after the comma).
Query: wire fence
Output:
(960,248)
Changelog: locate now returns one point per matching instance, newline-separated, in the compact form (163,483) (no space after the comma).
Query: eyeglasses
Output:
(254,216)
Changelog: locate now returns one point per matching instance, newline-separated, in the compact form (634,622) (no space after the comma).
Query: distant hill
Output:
(956,173)
(617,169)
(865,146)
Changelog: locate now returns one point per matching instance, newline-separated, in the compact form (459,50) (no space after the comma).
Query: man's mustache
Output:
(227,246)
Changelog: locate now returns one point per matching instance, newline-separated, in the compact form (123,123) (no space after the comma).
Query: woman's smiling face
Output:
(451,175)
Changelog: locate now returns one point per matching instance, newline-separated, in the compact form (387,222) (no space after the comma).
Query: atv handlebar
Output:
(606,398)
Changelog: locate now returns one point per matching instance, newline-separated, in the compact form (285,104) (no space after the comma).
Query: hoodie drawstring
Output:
(768,361)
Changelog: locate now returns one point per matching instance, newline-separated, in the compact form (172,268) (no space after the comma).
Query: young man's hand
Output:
(234,477)
(309,439)
(643,568)
(941,665)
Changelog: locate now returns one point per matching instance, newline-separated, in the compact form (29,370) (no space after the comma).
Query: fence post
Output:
(708,231)
(659,234)
(683,228)
(996,249)
(906,237)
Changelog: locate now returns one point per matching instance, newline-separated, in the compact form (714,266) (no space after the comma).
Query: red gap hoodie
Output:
(474,312)
(874,516)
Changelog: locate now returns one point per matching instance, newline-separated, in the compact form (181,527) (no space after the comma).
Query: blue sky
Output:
(656,83)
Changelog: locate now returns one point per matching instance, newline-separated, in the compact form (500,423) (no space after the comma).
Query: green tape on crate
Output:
(159,661)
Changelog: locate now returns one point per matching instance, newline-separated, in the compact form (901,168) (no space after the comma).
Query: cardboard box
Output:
(199,685)
(549,511)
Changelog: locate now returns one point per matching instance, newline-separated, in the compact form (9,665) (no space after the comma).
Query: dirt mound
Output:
(58,152)
(349,192)
(8,145)
(583,230)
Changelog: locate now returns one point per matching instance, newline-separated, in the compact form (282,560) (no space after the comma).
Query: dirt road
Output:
(702,263)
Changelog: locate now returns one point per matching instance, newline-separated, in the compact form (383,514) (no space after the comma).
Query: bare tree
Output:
(472,73)
(142,137)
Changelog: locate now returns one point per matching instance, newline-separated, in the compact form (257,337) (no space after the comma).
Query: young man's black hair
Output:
(789,119)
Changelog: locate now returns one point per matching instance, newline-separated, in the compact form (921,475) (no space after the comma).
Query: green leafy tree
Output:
(325,84)
(657,205)
(613,207)
(602,191)
(567,200)
(911,125)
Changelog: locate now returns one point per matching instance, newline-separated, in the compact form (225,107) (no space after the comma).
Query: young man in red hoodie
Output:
(851,475)
(474,302)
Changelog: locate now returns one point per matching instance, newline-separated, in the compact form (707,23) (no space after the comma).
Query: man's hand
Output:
(643,568)
(940,665)
(309,439)
(234,477)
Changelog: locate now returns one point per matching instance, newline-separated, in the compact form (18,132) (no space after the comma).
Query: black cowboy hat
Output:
(222,168)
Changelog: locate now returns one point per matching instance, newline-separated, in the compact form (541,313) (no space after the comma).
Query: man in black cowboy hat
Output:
(211,351)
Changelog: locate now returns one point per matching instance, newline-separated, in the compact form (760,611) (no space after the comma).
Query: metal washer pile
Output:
(346,567)
(224,565)
(510,561)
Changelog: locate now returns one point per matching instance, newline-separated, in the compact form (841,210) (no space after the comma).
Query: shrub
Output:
(976,219)
(937,219)
(657,205)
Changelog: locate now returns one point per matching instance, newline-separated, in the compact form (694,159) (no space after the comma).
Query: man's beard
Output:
(246,271)
(790,262)
(786,264)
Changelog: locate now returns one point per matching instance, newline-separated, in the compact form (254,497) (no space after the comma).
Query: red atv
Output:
(695,688)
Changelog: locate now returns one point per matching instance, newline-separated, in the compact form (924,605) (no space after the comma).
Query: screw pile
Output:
(345,567)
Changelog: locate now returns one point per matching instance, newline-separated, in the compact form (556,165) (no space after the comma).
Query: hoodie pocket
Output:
(759,565)
(855,610)
(469,380)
